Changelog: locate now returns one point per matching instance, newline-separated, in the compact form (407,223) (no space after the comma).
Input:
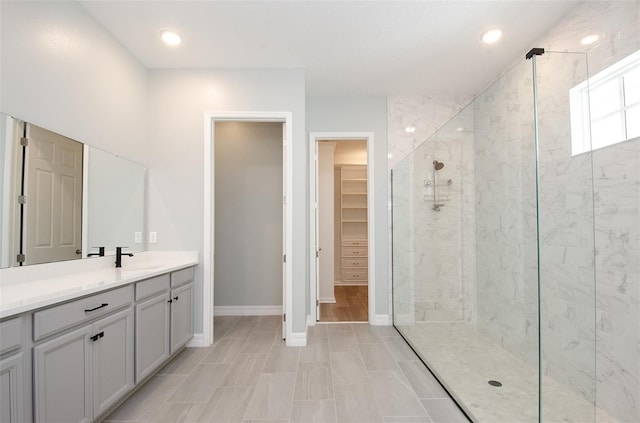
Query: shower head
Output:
(438,165)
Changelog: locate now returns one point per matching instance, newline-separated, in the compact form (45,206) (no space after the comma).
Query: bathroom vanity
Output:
(76,338)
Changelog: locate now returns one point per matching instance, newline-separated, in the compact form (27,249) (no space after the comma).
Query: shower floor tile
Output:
(465,360)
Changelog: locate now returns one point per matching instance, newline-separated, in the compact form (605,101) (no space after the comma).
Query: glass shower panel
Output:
(465,253)
(566,247)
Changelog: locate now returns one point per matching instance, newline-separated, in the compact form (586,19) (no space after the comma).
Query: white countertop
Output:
(24,289)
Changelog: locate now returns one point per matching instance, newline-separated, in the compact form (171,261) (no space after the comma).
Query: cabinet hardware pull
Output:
(95,308)
(170,301)
(175,298)
(97,336)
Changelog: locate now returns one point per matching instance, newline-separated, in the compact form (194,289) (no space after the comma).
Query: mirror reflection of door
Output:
(51,223)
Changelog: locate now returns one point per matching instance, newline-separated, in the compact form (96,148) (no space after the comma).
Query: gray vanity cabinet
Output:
(152,334)
(83,356)
(12,394)
(164,319)
(63,391)
(81,374)
(112,360)
(11,390)
(181,316)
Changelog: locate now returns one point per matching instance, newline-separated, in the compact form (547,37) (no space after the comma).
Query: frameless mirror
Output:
(62,200)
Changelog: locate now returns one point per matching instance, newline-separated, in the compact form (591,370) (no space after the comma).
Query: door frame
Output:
(208,261)
(314,138)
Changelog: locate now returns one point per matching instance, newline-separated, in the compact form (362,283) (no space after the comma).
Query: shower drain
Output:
(495,383)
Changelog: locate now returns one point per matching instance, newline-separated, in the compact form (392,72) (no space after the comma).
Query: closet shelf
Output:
(353,224)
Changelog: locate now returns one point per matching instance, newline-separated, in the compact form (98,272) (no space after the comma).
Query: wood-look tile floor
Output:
(346,373)
(352,305)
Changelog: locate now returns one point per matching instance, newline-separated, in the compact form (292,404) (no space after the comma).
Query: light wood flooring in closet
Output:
(352,305)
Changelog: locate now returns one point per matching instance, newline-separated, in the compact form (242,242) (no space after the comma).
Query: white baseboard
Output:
(351,283)
(297,339)
(196,341)
(327,300)
(382,320)
(247,310)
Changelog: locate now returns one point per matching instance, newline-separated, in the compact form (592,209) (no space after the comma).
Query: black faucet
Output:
(119,255)
(99,253)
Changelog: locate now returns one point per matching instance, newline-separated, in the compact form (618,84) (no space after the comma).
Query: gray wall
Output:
(362,114)
(248,213)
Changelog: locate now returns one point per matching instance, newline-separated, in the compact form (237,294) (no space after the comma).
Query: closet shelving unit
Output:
(353,224)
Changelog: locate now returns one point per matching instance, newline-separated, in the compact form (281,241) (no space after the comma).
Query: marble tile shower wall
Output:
(424,113)
(436,247)
(567,292)
(403,243)
(615,217)
(444,239)
(617,225)
(505,187)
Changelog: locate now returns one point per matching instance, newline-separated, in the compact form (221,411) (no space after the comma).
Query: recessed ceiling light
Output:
(410,129)
(171,38)
(589,39)
(491,36)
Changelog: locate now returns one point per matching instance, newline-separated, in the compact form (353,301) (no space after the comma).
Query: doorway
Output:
(341,209)
(283,121)
(248,217)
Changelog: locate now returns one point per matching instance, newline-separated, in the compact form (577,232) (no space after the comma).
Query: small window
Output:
(614,115)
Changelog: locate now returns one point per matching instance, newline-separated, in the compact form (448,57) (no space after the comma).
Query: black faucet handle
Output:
(119,255)
(123,254)
(99,253)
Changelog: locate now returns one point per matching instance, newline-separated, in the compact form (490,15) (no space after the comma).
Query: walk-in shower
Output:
(522,295)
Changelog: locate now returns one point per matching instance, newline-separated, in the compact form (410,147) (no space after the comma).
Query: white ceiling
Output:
(345,47)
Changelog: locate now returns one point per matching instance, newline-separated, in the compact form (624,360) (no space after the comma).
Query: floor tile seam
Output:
(168,397)
(199,361)
(427,411)
(245,386)
(407,384)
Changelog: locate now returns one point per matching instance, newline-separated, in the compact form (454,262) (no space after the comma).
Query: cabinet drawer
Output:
(11,334)
(354,262)
(153,286)
(64,316)
(355,274)
(181,277)
(354,252)
(355,243)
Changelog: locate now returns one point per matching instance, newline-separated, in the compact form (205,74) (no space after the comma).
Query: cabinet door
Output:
(112,359)
(181,316)
(63,388)
(11,390)
(152,334)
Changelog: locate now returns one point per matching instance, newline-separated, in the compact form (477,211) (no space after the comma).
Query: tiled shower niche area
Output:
(517,260)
